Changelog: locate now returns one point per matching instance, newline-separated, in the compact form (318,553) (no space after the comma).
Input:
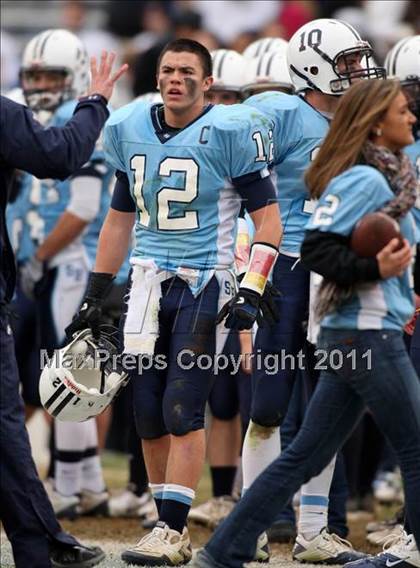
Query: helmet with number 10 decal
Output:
(328,55)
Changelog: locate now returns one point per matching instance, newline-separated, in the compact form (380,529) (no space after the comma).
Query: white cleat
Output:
(65,507)
(212,512)
(262,554)
(128,504)
(388,488)
(401,552)
(93,504)
(325,548)
(161,547)
(382,536)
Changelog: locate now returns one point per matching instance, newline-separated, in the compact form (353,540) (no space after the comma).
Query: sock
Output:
(176,504)
(222,479)
(156,490)
(92,478)
(261,447)
(137,469)
(313,513)
(70,442)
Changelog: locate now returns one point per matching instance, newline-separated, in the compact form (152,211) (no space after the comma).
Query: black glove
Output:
(90,312)
(247,306)
(268,305)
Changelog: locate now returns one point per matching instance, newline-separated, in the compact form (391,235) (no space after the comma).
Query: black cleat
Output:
(77,556)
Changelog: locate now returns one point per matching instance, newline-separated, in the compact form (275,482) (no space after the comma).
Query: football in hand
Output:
(373,232)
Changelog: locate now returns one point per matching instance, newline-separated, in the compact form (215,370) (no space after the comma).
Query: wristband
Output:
(96,97)
(263,258)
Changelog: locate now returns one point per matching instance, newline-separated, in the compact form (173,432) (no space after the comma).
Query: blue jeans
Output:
(385,381)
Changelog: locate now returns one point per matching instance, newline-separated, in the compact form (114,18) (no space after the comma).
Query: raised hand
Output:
(103,80)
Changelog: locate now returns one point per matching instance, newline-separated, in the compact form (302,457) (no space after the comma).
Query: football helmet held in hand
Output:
(82,379)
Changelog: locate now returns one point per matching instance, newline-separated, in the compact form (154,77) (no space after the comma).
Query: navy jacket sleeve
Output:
(49,152)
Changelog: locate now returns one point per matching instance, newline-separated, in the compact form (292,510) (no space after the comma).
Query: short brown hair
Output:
(191,46)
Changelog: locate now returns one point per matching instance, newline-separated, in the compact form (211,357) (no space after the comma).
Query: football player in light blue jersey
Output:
(324,57)
(64,228)
(183,168)
(360,167)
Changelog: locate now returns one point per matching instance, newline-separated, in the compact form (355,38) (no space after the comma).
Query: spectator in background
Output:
(9,62)
(126,17)
(75,18)
(294,14)
(226,19)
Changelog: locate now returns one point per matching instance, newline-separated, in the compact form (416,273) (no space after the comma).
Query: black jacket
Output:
(43,152)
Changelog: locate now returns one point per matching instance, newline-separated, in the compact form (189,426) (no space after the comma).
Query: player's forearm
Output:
(114,241)
(268,226)
(67,229)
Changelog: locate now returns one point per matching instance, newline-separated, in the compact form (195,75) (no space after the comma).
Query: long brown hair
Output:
(358,112)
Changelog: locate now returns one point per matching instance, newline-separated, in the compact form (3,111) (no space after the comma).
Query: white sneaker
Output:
(382,536)
(388,488)
(262,554)
(375,526)
(162,547)
(212,512)
(398,551)
(65,507)
(325,548)
(128,504)
(93,504)
(403,548)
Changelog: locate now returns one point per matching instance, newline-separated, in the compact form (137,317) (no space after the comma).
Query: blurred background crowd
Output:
(137,29)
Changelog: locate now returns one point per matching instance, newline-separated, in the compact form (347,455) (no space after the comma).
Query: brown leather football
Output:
(373,232)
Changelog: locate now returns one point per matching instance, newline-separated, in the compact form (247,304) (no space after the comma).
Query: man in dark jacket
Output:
(28,518)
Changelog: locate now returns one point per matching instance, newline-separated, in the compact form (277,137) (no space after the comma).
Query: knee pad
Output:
(183,408)
(268,418)
(224,403)
(148,415)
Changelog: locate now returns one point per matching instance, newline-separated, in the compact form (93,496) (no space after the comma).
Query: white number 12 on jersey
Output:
(165,195)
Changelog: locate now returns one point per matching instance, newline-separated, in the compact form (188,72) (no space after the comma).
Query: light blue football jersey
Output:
(24,224)
(186,206)
(413,152)
(386,304)
(298,133)
(55,194)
